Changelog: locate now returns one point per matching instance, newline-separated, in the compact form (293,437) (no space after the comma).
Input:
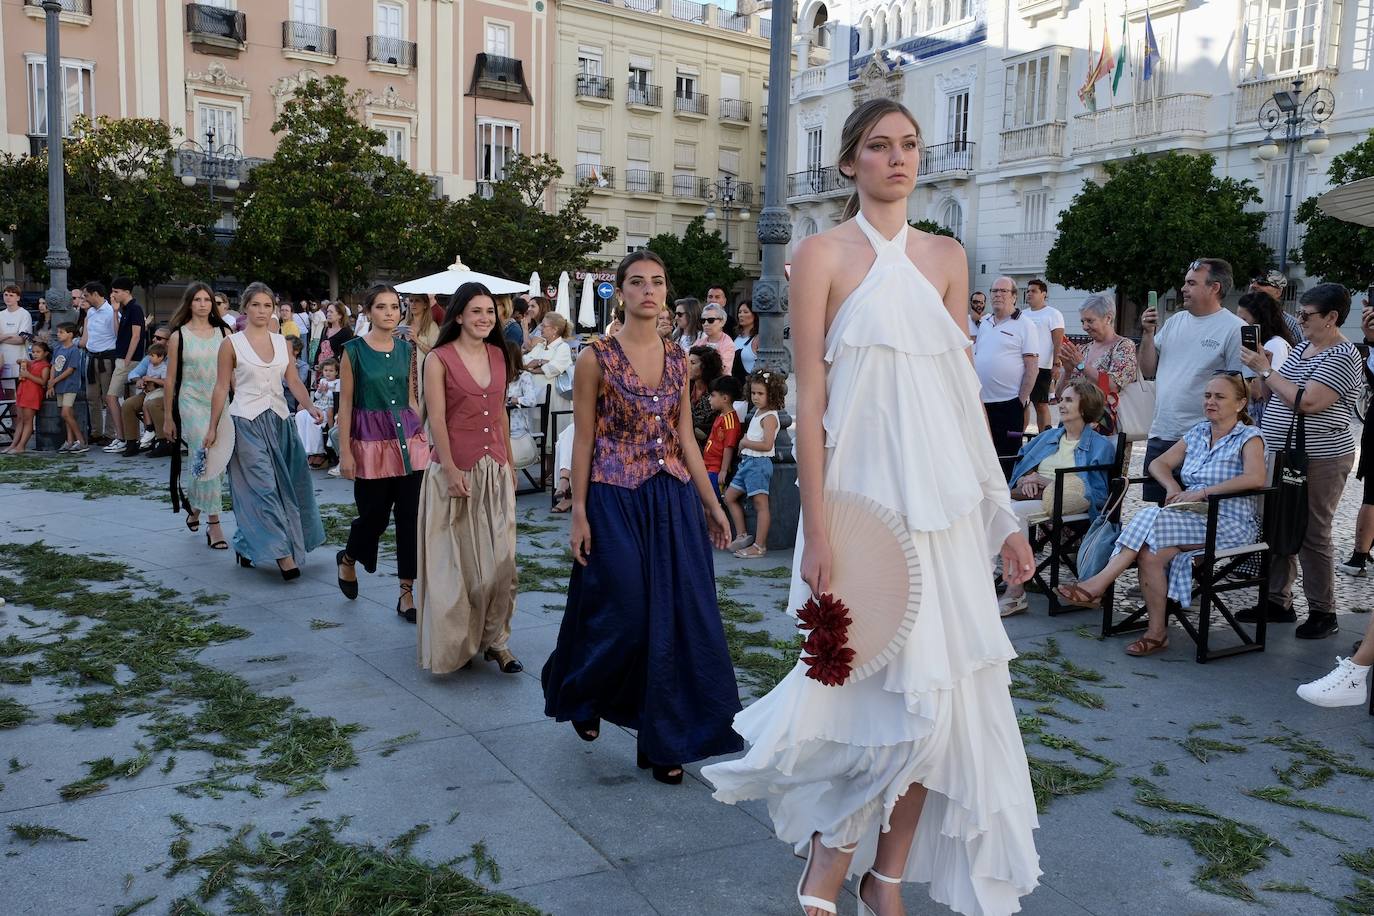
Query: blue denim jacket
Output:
(1093,448)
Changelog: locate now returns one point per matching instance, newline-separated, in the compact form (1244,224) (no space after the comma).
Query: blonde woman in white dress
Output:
(917,772)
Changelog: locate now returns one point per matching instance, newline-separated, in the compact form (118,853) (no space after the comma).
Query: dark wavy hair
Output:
(451,329)
(712,366)
(1267,313)
(183,313)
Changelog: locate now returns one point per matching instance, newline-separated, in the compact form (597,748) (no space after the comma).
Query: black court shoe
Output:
(349,589)
(505,659)
(587,729)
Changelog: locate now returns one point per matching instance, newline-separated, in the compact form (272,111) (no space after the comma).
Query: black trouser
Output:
(378,500)
(1151,491)
(1007,420)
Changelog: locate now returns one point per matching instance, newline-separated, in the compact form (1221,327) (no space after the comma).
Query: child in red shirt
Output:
(726,431)
(33,381)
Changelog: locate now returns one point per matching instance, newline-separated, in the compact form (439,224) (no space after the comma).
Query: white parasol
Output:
(564,303)
(1352,202)
(535,289)
(586,310)
(443,284)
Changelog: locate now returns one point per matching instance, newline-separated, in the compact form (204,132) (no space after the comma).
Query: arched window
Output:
(866,35)
(952,218)
(820,35)
(880,27)
(806,227)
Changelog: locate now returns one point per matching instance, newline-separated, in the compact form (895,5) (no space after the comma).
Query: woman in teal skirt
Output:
(274,500)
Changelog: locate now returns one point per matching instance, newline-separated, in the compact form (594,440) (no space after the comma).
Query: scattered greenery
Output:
(313,872)
(1204,749)
(337,517)
(1313,828)
(761,660)
(13,713)
(317,623)
(67,478)
(1282,795)
(36,833)
(533,574)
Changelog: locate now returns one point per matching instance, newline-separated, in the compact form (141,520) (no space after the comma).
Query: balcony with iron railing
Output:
(737,110)
(695,104)
(72,10)
(643,181)
(391,52)
(1252,94)
(691,187)
(1038,141)
(688,11)
(735,23)
(596,177)
(1026,252)
(309,38)
(644,95)
(497,77)
(947,160)
(642,6)
(216,31)
(593,86)
(1169,117)
(817,182)
(766,28)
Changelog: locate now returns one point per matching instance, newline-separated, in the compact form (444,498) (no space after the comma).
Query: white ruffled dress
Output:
(904,426)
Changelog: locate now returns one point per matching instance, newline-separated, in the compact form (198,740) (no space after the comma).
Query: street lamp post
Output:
(210,163)
(59,259)
(1295,112)
(729,193)
(775,226)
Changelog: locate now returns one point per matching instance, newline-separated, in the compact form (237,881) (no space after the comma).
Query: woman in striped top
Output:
(1326,372)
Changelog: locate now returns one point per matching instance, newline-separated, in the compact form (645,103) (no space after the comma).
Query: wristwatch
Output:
(1266,373)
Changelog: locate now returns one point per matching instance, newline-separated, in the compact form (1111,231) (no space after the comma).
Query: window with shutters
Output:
(1036,89)
(638,149)
(684,155)
(814,161)
(952,218)
(1035,206)
(78,93)
(956,122)
(730,86)
(686,87)
(389,19)
(497,143)
(396,144)
(1284,36)
(306,11)
(589,61)
(588,146)
(729,162)
(499,39)
(223,120)
(638,231)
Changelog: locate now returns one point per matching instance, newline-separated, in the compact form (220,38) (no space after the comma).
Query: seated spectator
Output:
(1261,309)
(143,412)
(704,366)
(302,370)
(1108,360)
(726,431)
(1327,372)
(1222,454)
(324,398)
(549,358)
(1072,444)
(713,335)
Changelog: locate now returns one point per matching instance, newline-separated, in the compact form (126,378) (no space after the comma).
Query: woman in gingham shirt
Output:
(1222,454)
(1328,370)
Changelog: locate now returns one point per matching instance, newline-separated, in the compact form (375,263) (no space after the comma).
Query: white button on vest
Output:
(486,429)
(655,397)
(660,441)
(660,461)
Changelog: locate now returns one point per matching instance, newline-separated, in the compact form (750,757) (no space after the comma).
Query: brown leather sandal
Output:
(1077,596)
(1147,645)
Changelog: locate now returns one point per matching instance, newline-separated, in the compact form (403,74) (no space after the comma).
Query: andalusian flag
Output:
(1151,49)
(1120,57)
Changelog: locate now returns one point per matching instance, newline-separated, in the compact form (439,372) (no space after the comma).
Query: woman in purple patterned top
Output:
(641,643)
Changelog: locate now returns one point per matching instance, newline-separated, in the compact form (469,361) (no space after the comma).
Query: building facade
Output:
(1009,143)
(457,88)
(660,109)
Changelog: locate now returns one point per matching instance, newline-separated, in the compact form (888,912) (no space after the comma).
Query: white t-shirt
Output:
(1046,320)
(998,356)
(1191,349)
(100,328)
(1278,350)
(18,321)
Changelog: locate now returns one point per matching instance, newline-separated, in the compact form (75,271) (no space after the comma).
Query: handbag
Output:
(1290,528)
(564,383)
(1136,409)
(1097,545)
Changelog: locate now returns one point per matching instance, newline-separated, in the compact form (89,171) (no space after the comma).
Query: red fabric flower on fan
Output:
(827,658)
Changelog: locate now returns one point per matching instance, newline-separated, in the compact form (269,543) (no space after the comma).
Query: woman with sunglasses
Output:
(713,335)
(1322,376)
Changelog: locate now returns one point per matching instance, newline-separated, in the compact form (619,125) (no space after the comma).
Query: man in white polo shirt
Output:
(98,340)
(1007,359)
(1049,322)
(16,326)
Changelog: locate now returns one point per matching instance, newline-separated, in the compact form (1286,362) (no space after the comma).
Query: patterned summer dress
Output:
(199,367)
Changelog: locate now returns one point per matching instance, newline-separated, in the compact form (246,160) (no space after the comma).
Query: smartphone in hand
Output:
(1249,337)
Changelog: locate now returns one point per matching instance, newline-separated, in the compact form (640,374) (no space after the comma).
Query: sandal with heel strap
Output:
(409,612)
(806,900)
(221,544)
(193,522)
(669,774)
(864,908)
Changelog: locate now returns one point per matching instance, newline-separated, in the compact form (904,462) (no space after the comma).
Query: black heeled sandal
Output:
(407,613)
(670,775)
(289,574)
(587,729)
(192,522)
(243,561)
(221,544)
(349,589)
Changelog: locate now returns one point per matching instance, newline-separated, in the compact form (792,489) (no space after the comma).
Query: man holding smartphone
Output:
(1183,354)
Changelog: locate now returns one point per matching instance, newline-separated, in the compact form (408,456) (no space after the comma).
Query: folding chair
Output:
(9,416)
(551,433)
(1061,533)
(1215,573)
(535,485)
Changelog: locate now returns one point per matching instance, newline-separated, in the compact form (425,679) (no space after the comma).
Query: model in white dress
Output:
(904,426)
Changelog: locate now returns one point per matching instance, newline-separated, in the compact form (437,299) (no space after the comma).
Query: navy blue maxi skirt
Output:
(642,644)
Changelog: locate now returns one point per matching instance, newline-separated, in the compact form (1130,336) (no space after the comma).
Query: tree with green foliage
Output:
(330,205)
(507,230)
(127,211)
(1139,230)
(1333,249)
(934,228)
(696,261)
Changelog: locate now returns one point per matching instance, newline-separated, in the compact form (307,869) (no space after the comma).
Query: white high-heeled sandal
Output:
(864,908)
(825,906)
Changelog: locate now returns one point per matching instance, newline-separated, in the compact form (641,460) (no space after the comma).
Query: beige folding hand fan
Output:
(876,575)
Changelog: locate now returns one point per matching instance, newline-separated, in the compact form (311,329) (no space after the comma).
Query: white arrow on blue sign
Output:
(604,289)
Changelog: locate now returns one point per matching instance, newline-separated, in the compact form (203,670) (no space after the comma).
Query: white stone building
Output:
(994,84)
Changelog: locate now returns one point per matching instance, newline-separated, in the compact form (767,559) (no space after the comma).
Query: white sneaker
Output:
(334,471)
(146,439)
(65,447)
(115,446)
(1344,686)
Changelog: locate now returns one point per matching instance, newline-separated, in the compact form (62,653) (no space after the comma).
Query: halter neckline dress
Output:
(904,427)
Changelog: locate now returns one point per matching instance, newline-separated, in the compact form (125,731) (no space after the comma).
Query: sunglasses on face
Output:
(680,314)
(711,320)
(1304,314)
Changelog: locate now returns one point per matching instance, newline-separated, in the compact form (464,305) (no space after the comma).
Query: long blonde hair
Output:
(857,126)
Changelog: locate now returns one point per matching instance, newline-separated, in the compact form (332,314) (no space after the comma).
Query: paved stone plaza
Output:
(576,829)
